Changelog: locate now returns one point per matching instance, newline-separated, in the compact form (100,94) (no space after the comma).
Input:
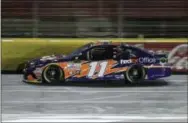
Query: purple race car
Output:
(99,61)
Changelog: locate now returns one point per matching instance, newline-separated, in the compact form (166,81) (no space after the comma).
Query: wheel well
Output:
(144,69)
(47,67)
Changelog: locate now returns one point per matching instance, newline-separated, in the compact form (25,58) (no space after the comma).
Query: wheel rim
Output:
(135,74)
(52,74)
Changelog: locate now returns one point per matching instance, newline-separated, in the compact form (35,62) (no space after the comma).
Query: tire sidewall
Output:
(45,78)
(143,72)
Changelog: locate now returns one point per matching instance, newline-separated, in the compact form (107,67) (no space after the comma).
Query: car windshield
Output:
(78,50)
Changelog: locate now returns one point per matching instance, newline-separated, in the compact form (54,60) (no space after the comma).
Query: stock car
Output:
(98,61)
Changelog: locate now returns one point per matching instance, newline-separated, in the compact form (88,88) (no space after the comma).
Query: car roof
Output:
(109,43)
(98,43)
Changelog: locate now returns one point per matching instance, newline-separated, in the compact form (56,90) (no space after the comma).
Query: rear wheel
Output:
(53,74)
(135,74)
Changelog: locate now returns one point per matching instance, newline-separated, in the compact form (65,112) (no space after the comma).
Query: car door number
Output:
(93,67)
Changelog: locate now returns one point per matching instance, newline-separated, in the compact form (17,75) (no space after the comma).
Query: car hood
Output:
(49,59)
(52,57)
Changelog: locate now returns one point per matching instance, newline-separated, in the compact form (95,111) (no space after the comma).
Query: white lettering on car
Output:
(93,67)
(74,66)
(125,61)
(146,60)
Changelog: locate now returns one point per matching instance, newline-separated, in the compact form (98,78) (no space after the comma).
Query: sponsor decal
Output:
(163,60)
(38,72)
(76,66)
(177,54)
(75,72)
(147,60)
(125,61)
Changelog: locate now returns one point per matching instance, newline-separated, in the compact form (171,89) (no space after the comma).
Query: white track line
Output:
(54,40)
(104,97)
(7,40)
(92,91)
(166,80)
(97,102)
(61,120)
(86,118)
(171,80)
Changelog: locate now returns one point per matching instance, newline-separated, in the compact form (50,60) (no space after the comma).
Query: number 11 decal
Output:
(93,66)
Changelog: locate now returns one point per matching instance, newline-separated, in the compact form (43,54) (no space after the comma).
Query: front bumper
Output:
(30,78)
(31,81)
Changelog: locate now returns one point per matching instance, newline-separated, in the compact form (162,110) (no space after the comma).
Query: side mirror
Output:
(115,57)
(76,58)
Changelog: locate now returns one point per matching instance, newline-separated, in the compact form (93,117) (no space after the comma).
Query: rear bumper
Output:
(158,72)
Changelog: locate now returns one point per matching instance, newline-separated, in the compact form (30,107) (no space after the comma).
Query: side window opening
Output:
(98,53)
(84,56)
(133,53)
(125,53)
(101,53)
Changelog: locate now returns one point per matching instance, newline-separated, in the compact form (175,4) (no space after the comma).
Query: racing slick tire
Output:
(135,74)
(53,74)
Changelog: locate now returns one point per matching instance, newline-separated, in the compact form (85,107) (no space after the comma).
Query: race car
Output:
(98,61)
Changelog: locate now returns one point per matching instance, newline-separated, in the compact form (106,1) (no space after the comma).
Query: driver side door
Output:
(96,62)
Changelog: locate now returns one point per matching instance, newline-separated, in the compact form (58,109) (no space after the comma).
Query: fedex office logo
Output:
(125,61)
(147,60)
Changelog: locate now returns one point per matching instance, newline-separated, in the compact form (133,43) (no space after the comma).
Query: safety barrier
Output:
(15,51)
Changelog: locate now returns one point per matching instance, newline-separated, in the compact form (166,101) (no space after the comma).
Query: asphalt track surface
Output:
(163,100)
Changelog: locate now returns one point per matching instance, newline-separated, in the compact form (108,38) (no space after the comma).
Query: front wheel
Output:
(53,74)
(135,74)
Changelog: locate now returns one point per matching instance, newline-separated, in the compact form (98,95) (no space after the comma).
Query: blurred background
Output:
(51,26)
(95,18)
(34,28)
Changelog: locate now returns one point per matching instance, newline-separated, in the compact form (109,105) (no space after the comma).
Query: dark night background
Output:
(94,18)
